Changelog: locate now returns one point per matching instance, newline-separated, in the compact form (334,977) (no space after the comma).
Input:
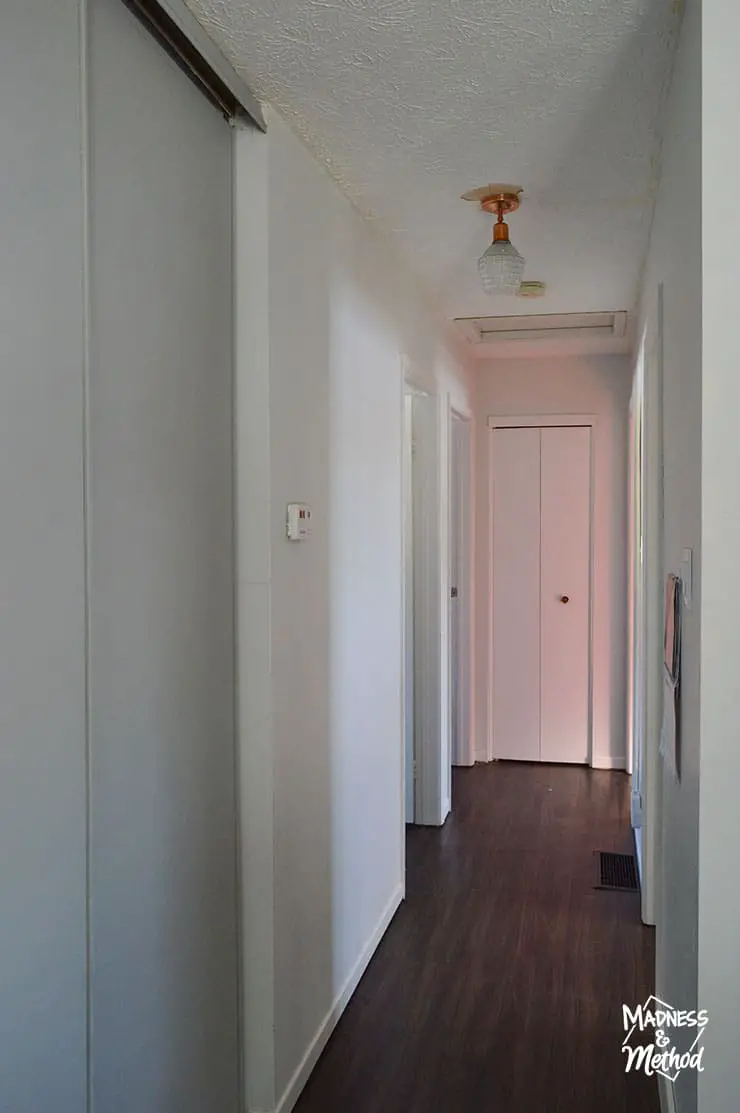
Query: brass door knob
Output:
(565,599)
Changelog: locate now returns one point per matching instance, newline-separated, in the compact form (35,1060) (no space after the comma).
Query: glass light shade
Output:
(501,268)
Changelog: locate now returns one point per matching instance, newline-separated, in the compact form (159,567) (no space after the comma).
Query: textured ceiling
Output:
(412,102)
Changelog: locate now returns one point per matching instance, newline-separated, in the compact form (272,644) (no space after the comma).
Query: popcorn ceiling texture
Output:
(411,102)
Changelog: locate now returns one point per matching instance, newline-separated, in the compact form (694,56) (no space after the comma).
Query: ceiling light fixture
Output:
(501,266)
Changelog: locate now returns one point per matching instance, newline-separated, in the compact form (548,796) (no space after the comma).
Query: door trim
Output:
(466,752)
(652,633)
(544,421)
(431,733)
(540,421)
(407,496)
(431,741)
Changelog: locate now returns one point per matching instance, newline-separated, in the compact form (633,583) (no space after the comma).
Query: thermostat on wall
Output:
(299,521)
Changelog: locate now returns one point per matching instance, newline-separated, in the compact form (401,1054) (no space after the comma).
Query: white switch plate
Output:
(636,810)
(686,577)
(299,521)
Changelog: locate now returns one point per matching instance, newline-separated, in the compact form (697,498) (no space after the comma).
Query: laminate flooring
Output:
(499,985)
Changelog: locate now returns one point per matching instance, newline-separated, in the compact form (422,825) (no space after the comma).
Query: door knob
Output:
(565,599)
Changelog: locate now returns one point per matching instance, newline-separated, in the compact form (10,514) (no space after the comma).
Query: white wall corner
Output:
(253,573)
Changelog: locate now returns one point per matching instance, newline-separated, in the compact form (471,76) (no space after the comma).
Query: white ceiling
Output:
(413,102)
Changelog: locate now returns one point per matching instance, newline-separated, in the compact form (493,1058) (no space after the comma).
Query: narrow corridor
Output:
(499,985)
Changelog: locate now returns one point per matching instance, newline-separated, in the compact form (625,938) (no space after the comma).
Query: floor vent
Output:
(617,871)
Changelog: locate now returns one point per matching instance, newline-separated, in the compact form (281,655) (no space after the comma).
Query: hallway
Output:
(499,985)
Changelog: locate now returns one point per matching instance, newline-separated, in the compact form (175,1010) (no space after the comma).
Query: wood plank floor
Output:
(499,984)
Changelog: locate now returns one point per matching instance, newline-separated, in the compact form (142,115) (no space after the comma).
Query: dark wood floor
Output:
(498,987)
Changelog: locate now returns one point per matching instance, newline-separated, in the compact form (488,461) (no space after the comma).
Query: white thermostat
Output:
(299,521)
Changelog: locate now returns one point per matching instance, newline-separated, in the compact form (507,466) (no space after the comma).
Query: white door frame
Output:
(653,602)
(541,421)
(431,594)
(460,500)
(421,497)
(637,687)
(631,580)
(407,606)
(430,619)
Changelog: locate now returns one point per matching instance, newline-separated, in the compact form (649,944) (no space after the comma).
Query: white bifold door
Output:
(541,485)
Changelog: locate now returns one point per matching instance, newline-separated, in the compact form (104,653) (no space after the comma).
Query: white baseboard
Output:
(667,1095)
(608,761)
(329,1023)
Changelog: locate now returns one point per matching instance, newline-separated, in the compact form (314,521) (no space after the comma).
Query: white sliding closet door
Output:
(163,869)
(541,593)
(43,1039)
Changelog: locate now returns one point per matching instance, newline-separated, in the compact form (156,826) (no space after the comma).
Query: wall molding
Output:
(294,1088)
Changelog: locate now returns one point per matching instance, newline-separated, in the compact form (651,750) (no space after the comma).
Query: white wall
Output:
(698,959)
(719,814)
(675,238)
(597,385)
(320,413)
